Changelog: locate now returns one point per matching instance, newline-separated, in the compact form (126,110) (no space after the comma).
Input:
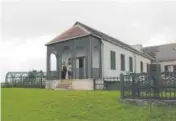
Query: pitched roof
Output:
(113,40)
(80,29)
(73,32)
(165,52)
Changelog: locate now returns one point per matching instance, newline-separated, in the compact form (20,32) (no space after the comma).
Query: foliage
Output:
(32,75)
(50,105)
(6,85)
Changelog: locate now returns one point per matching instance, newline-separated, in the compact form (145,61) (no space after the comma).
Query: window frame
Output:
(174,68)
(166,68)
(142,66)
(147,67)
(122,61)
(130,64)
(112,63)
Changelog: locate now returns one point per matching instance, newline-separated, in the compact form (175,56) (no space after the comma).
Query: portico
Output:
(84,53)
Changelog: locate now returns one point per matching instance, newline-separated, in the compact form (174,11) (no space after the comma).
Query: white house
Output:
(94,54)
(165,56)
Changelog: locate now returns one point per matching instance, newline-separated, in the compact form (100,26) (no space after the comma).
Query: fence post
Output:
(133,86)
(155,77)
(122,85)
(94,84)
(41,82)
(15,84)
(157,84)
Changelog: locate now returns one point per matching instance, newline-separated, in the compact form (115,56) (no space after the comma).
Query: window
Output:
(141,63)
(165,68)
(170,68)
(147,67)
(122,57)
(81,62)
(53,62)
(174,68)
(130,64)
(113,60)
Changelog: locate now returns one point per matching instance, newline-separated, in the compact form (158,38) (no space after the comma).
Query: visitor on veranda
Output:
(69,67)
(64,70)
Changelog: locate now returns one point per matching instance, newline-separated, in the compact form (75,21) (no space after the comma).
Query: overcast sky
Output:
(27,25)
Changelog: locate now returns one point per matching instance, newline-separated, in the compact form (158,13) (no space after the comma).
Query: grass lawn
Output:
(50,105)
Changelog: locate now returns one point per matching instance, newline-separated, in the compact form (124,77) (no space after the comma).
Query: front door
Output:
(81,67)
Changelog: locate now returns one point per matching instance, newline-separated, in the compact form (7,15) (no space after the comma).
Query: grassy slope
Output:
(49,105)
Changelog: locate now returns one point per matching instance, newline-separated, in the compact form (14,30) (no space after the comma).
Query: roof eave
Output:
(166,60)
(137,52)
(116,43)
(50,43)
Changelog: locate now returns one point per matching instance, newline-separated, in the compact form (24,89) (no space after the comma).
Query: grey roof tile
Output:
(162,52)
(116,41)
(73,32)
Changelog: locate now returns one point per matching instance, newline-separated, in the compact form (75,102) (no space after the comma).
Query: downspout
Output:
(102,58)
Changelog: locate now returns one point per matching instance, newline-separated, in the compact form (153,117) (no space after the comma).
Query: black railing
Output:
(107,83)
(21,82)
(149,85)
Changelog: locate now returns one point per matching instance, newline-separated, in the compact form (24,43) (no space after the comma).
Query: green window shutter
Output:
(141,63)
(113,60)
(130,64)
(122,58)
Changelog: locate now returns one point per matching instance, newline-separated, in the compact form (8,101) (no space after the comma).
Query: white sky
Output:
(26,25)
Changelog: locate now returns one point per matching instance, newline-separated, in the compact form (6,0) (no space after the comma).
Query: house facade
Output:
(93,54)
(165,56)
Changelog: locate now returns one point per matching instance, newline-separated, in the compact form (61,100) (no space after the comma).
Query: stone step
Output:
(60,89)
(65,84)
(66,80)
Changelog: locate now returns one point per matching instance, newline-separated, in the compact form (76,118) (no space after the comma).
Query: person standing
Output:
(69,66)
(64,70)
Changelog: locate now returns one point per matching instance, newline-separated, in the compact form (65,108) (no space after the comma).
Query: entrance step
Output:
(60,89)
(65,84)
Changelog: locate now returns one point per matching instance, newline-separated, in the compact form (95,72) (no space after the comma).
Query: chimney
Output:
(137,47)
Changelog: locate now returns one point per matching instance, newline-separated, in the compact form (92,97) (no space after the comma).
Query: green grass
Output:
(50,105)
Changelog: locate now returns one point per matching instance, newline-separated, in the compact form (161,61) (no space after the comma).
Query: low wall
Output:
(82,84)
(77,84)
(51,84)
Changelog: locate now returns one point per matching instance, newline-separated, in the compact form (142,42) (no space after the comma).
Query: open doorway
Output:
(81,62)
(81,67)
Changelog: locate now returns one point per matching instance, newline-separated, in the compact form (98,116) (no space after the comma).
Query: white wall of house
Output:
(166,63)
(144,60)
(107,47)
